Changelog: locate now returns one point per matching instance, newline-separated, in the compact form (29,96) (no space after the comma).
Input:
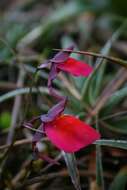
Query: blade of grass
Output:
(21,91)
(115,99)
(112,143)
(116,83)
(120,181)
(99,167)
(16,107)
(59,16)
(105,51)
(119,126)
(72,169)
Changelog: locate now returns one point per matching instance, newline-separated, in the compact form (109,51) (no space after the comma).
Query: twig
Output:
(63,173)
(19,142)
(32,129)
(7,85)
(23,172)
(16,108)
(112,59)
(57,158)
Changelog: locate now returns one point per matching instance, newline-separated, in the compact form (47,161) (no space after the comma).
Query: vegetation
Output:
(33,31)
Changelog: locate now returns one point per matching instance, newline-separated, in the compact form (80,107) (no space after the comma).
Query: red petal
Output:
(75,67)
(70,134)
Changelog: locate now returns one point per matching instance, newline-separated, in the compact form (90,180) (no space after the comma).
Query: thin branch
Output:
(20,142)
(32,129)
(111,59)
(63,173)
(16,107)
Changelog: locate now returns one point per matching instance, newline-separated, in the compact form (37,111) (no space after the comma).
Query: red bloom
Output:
(70,134)
(66,132)
(75,67)
(63,62)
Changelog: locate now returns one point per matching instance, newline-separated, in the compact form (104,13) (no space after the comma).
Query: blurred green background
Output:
(29,31)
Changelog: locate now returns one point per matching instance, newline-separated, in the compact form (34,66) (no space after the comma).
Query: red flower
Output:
(75,67)
(70,134)
(66,132)
(63,62)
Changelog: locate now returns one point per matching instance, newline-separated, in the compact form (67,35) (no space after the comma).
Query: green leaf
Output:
(120,125)
(99,167)
(5,120)
(105,51)
(59,16)
(120,181)
(12,35)
(112,143)
(115,100)
(20,91)
(97,74)
(72,169)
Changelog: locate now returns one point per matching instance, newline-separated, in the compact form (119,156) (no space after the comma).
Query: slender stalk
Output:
(16,107)
(109,58)
(99,166)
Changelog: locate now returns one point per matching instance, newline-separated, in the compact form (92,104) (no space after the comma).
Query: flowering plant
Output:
(66,132)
